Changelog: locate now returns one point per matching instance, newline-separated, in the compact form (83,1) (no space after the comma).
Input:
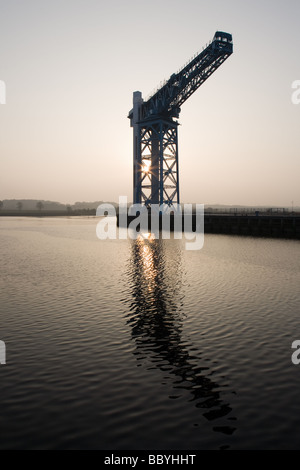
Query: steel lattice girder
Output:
(158,182)
(171,96)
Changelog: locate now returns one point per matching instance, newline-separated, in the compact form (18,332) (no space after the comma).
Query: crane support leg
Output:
(156,165)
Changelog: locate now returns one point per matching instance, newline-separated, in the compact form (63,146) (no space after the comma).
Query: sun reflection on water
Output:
(157,326)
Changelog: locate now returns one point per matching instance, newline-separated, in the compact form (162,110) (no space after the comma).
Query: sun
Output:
(146,166)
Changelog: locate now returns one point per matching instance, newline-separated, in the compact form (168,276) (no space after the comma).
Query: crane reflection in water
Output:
(156,319)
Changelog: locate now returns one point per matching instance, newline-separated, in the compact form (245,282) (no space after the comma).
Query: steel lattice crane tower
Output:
(155,141)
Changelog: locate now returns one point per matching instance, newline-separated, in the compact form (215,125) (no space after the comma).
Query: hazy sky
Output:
(70,67)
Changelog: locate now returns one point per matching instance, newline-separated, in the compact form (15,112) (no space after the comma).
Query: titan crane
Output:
(155,141)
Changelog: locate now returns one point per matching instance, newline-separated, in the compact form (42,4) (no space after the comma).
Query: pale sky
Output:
(71,66)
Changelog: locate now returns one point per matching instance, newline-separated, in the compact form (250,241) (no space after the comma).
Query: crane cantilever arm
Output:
(180,86)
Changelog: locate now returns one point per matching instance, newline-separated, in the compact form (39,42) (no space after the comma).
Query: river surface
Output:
(123,344)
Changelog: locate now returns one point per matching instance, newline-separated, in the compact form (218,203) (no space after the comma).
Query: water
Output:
(122,344)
